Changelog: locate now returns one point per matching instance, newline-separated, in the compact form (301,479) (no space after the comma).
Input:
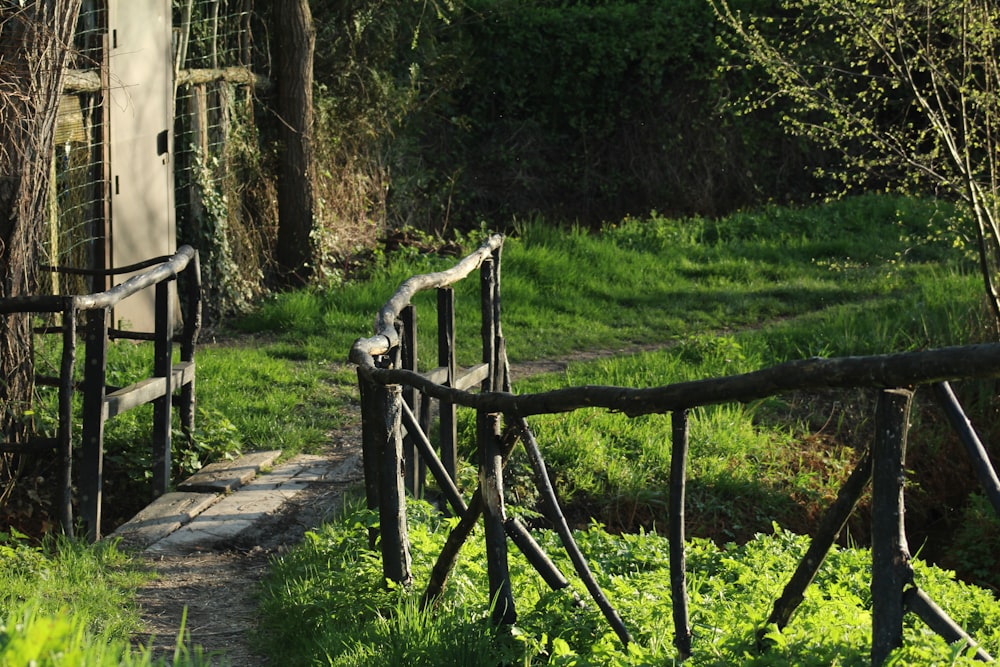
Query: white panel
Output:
(142,195)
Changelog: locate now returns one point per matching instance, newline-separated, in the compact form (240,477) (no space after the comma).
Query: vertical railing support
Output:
(891,569)
(408,361)
(166,292)
(500,372)
(396,564)
(372,423)
(189,339)
(491,463)
(65,433)
(494,516)
(678,587)
(446,359)
(92,465)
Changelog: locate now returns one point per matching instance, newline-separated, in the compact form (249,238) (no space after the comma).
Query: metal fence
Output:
(218,46)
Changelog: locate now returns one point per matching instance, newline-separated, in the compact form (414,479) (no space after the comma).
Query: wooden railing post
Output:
(491,463)
(494,516)
(678,586)
(446,359)
(372,422)
(383,440)
(162,368)
(65,433)
(891,569)
(408,361)
(189,338)
(92,465)
(501,374)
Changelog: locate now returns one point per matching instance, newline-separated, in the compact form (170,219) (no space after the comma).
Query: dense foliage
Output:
(581,110)
(326,603)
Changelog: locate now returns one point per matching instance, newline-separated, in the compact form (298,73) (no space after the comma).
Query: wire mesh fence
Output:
(224,200)
(223,195)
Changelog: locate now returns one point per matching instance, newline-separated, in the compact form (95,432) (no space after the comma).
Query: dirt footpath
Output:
(215,584)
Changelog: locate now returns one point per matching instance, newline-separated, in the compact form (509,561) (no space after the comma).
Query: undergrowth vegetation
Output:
(680,300)
(326,602)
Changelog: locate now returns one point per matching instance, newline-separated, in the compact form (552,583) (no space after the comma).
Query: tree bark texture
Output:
(295,42)
(35,42)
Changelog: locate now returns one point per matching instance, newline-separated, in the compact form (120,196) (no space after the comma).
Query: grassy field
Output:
(676,299)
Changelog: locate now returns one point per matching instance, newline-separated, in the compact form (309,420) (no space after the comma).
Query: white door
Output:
(142,193)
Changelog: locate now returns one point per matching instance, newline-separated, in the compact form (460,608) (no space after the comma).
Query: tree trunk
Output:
(295,41)
(35,42)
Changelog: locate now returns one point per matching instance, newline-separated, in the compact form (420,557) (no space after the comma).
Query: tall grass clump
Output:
(67,604)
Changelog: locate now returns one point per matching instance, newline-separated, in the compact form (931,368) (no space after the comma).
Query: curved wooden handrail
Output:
(168,269)
(364,350)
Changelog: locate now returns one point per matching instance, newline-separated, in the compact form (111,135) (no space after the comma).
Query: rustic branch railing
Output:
(101,401)
(387,371)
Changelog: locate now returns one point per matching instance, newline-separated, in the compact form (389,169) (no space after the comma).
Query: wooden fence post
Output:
(92,465)
(371,424)
(66,419)
(891,570)
(494,516)
(446,359)
(396,562)
(192,328)
(408,361)
(162,368)
(678,587)
(491,464)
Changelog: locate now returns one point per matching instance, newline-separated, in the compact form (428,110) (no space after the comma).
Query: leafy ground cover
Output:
(326,602)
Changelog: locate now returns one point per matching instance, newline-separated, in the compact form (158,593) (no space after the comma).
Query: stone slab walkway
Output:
(226,499)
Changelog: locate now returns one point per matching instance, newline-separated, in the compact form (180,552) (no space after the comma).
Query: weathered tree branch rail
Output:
(888,370)
(386,337)
(102,402)
(89,80)
(388,361)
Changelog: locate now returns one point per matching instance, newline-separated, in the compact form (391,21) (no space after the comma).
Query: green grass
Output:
(325,603)
(67,604)
(861,276)
(647,280)
(748,465)
(837,272)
